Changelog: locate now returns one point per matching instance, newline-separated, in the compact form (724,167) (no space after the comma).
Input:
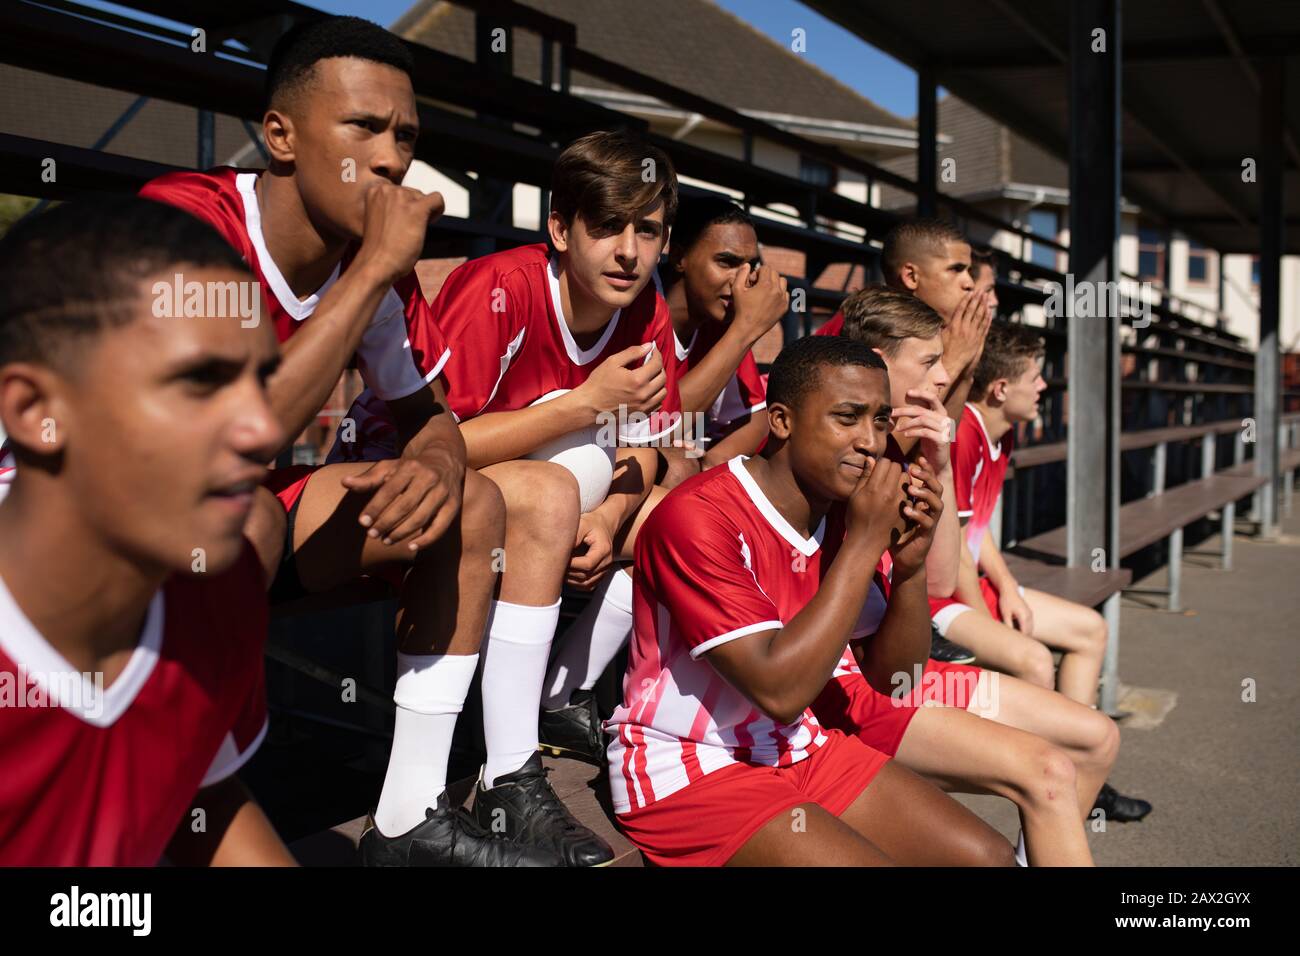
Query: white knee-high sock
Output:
(430,693)
(1022,858)
(514,666)
(592,640)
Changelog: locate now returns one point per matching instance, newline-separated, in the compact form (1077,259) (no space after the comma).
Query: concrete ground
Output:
(1213,740)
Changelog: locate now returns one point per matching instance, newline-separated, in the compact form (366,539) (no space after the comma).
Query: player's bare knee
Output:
(1049,775)
(1095,631)
(546,500)
(483,514)
(1105,738)
(1036,666)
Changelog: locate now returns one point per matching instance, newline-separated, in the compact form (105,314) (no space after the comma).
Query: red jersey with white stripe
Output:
(745,393)
(102,776)
(715,562)
(511,344)
(402,349)
(978,470)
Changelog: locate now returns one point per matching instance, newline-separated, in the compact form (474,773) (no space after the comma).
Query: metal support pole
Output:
(1229,528)
(1175,570)
(1161,469)
(1110,662)
(1208,454)
(1092,462)
(927,142)
(1271,225)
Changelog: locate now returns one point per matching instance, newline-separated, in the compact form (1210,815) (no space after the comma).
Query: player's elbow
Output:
(782,706)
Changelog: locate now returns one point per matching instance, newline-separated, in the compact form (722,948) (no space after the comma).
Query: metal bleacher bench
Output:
(1164,513)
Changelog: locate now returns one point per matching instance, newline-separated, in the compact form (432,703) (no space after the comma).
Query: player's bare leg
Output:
(820,839)
(1003,648)
(1087,736)
(961,752)
(541,524)
(917,824)
(1078,631)
(569,723)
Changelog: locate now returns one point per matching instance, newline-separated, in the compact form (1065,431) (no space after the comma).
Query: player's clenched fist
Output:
(759,299)
(414,500)
(876,506)
(397,219)
(633,378)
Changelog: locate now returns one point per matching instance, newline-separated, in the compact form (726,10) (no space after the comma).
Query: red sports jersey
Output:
(833,327)
(104,778)
(402,349)
(744,394)
(715,562)
(511,344)
(978,470)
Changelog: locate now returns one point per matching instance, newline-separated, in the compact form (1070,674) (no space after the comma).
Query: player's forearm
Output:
(234,831)
(944,560)
(634,476)
(314,358)
(701,386)
(994,567)
(954,403)
(801,656)
(506,436)
(425,426)
(902,641)
(745,440)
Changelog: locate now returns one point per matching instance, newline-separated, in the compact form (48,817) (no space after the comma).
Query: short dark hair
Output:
(298,51)
(1006,350)
(75,270)
(697,214)
(881,318)
(913,238)
(980,260)
(797,370)
(602,177)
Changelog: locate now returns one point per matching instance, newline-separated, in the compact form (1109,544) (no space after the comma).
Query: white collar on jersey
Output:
(684,351)
(39,663)
(806,546)
(577,355)
(995,448)
(300,309)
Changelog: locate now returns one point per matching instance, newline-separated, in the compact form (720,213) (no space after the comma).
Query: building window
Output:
(817,173)
(1151,255)
(1198,263)
(1043,222)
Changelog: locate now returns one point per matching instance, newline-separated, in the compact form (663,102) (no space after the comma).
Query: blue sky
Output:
(876,76)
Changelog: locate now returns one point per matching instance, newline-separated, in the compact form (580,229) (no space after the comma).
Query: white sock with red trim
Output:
(592,640)
(430,693)
(514,667)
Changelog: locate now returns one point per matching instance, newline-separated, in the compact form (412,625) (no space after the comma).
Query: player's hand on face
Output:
(633,378)
(926,420)
(593,552)
(412,501)
(397,219)
(923,510)
(963,334)
(760,299)
(1015,612)
(876,505)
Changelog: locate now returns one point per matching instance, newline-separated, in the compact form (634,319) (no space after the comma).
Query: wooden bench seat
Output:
(1080,585)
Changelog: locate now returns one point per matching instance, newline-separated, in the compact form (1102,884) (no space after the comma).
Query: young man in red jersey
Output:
(332,237)
(579,321)
(749,587)
(1009,627)
(721,302)
(132,609)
